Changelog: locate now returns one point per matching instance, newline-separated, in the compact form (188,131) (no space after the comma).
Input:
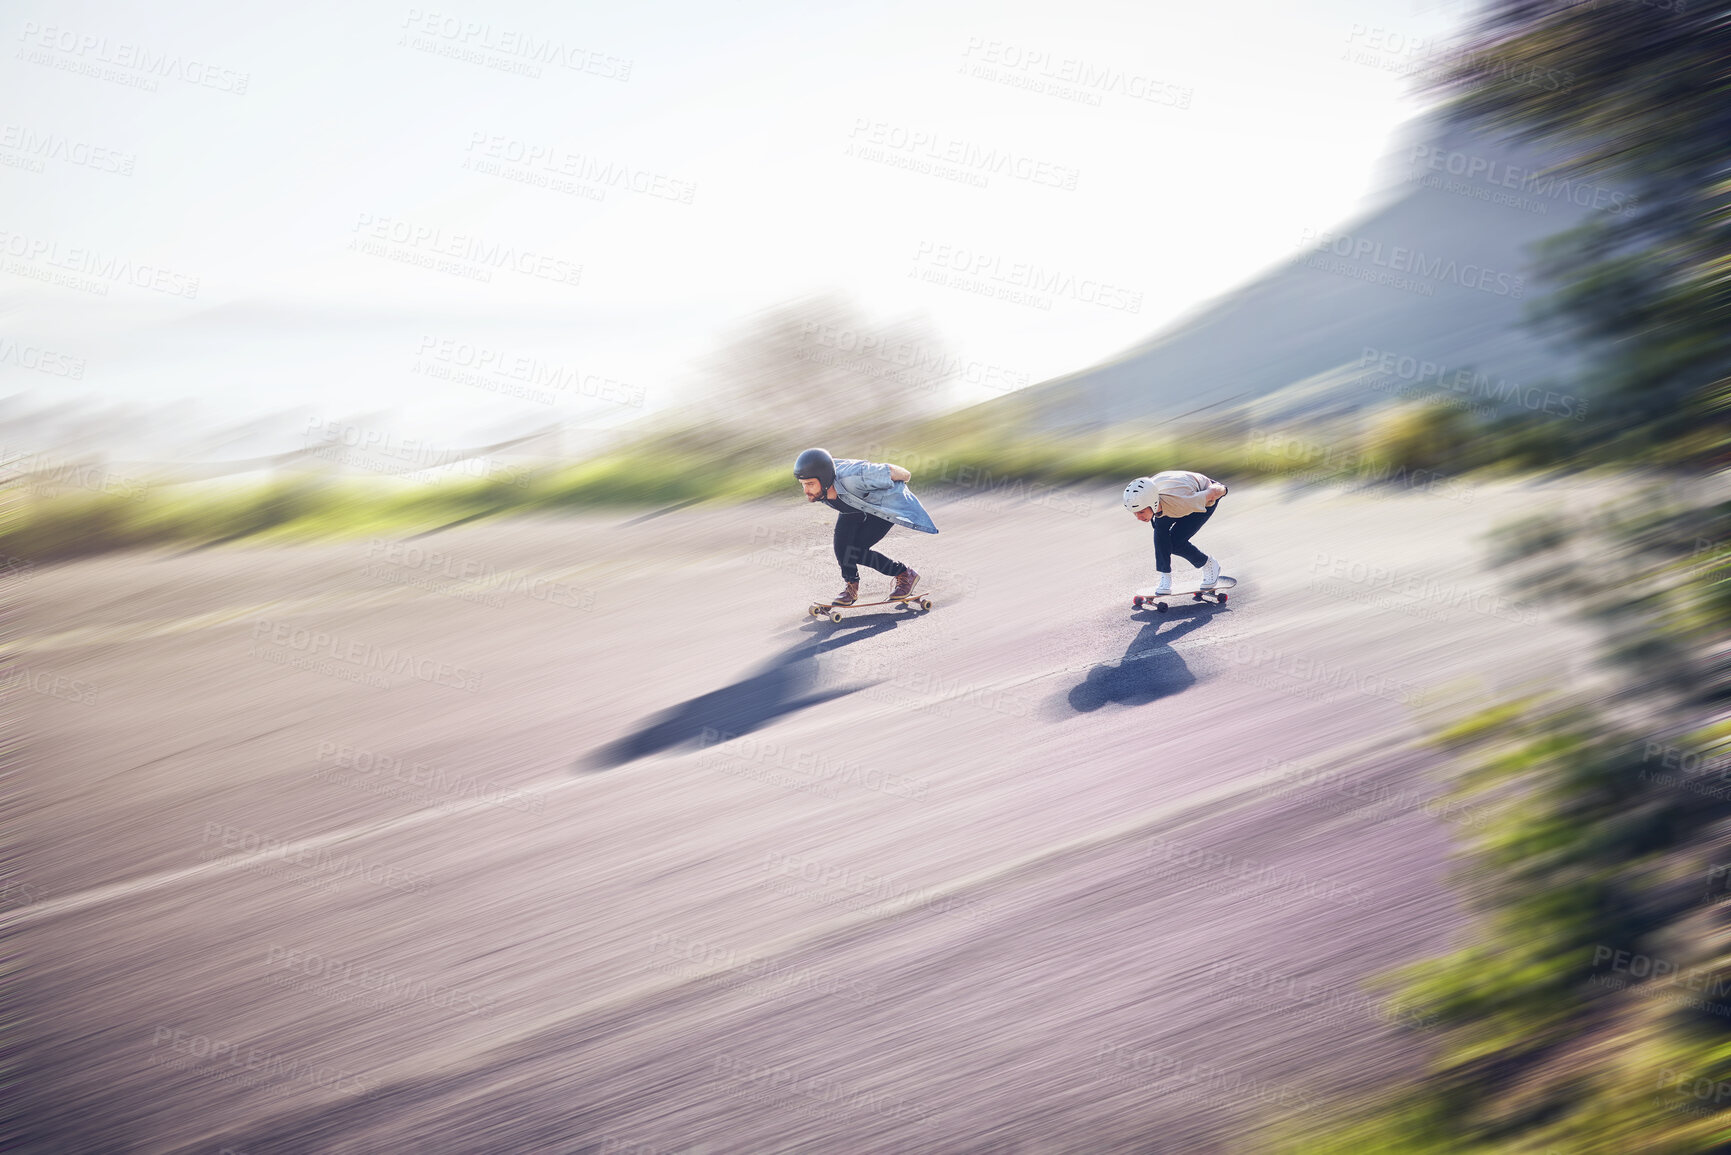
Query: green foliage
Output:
(1640,96)
(1595,844)
(670,471)
(1599,840)
(1488,721)
(638,479)
(1424,436)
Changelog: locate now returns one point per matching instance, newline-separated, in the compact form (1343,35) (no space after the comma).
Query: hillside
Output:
(1426,292)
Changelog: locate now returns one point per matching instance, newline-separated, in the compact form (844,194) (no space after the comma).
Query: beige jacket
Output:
(1181,492)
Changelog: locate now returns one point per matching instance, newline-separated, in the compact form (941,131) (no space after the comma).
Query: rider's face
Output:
(1146,513)
(813,488)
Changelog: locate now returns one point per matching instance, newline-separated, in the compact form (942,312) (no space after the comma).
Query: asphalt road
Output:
(574,835)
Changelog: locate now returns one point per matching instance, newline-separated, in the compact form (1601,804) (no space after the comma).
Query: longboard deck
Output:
(834,612)
(1149,599)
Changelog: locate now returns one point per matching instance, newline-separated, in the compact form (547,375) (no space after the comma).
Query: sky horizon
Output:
(331,209)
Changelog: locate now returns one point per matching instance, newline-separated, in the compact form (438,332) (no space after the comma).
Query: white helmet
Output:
(1140,494)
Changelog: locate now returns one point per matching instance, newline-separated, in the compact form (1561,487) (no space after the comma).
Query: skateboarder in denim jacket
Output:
(1178,502)
(872,499)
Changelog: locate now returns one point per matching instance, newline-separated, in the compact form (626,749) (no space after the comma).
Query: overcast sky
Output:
(300,205)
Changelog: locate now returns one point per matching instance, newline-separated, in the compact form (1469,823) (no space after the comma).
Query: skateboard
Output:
(833,612)
(1158,601)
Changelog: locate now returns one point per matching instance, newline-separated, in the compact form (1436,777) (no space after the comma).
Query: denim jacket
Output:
(866,486)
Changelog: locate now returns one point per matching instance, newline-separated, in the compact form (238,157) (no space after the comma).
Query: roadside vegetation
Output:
(70,512)
(1588,1009)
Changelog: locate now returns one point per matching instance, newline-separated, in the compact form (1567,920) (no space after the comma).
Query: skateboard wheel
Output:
(1136,602)
(925,603)
(835,615)
(1222,599)
(1161,606)
(1195,597)
(814,610)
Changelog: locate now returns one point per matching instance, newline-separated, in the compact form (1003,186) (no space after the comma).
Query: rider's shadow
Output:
(1149,670)
(780,686)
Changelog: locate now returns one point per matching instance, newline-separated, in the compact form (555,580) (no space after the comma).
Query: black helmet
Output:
(815,463)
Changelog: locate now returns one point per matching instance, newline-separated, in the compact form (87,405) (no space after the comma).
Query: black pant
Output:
(1172,536)
(855,534)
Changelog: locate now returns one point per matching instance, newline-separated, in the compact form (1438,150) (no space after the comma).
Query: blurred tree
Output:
(1642,95)
(1607,815)
(816,371)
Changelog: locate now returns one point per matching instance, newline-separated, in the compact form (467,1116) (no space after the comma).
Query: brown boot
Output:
(848,596)
(905,582)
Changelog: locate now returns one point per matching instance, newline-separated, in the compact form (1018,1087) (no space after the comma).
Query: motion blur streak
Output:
(18,887)
(431,723)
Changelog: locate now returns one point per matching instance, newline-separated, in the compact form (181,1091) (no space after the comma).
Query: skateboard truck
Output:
(1216,593)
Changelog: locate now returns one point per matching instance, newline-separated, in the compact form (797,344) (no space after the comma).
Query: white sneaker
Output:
(1165,586)
(1210,573)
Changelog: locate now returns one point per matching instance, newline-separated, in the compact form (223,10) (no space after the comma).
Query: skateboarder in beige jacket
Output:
(1179,502)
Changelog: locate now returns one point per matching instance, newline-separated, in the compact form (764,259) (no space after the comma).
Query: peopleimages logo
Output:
(912,362)
(989,269)
(1535,182)
(248,1065)
(371,986)
(784,1086)
(1408,587)
(348,765)
(40,472)
(482,43)
(321,867)
(1256,876)
(552,161)
(525,368)
(383,236)
(1399,259)
(40,360)
(807,766)
(1205,1084)
(362,655)
(42,254)
(1065,76)
(712,961)
(85,52)
(1470,383)
(38,146)
(881,140)
(1415,56)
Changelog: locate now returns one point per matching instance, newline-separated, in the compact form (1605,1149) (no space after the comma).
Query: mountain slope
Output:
(1431,284)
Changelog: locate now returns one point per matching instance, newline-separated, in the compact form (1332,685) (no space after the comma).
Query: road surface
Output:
(574,835)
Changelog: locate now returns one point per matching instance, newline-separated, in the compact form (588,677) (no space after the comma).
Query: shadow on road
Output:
(778,687)
(1148,671)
